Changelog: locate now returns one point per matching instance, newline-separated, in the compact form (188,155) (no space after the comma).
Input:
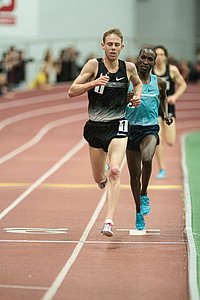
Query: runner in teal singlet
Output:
(143,134)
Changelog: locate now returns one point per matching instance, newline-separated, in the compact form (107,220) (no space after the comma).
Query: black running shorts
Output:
(100,134)
(137,133)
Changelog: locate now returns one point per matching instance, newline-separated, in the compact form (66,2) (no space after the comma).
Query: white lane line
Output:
(94,242)
(41,133)
(52,170)
(41,111)
(192,255)
(26,287)
(36,230)
(34,100)
(59,279)
(140,232)
(143,232)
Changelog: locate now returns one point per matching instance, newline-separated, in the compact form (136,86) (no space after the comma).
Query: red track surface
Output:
(80,263)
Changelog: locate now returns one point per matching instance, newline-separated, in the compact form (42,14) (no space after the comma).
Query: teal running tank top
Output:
(147,112)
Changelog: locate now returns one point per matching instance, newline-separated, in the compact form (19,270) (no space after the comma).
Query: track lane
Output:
(134,255)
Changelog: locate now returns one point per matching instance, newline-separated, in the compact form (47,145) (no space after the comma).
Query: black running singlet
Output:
(170,83)
(170,90)
(108,102)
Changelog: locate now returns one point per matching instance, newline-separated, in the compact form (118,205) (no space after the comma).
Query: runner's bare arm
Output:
(137,83)
(181,85)
(85,81)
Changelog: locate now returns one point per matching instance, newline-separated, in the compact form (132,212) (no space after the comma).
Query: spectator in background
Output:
(41,81)
(10,62)
(23,61)
(198,54)
(58,66)
(67,66)
(14,65)
(185,69)
(49,66)
(46,74)
(195,73)
(2,78)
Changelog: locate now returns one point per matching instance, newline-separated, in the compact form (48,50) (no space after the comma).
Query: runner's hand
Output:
(130,96)
(133,99)
(102,80)
(168,119)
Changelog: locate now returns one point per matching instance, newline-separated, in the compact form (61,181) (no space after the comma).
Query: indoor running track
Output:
(51,212)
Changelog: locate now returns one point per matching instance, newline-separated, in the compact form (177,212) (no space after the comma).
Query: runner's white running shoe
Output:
(107,230)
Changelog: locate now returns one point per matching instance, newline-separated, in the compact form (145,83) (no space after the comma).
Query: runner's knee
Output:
(147,155)
(147,163)
(114,174)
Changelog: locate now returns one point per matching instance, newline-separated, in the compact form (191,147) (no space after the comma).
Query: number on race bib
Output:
(123,126)
(167,85)
(99,89)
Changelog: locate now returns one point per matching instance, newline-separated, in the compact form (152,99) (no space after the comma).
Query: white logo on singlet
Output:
(118,79)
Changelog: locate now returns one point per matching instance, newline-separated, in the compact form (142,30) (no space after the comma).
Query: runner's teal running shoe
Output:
(161,174)
(140,223)
(144,205)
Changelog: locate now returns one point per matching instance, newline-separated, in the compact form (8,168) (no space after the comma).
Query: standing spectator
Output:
(2,78)
(184,69)
(195,73)
(49,67)
(67,67)
(23,61)
(10,63)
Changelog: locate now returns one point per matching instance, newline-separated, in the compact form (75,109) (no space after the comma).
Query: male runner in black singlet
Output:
(176,86)
(106,81)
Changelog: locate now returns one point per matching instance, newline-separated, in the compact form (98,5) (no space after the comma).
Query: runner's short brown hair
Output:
(113,31)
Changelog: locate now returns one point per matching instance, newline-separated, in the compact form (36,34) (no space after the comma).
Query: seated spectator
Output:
(41,79)
(45,76)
